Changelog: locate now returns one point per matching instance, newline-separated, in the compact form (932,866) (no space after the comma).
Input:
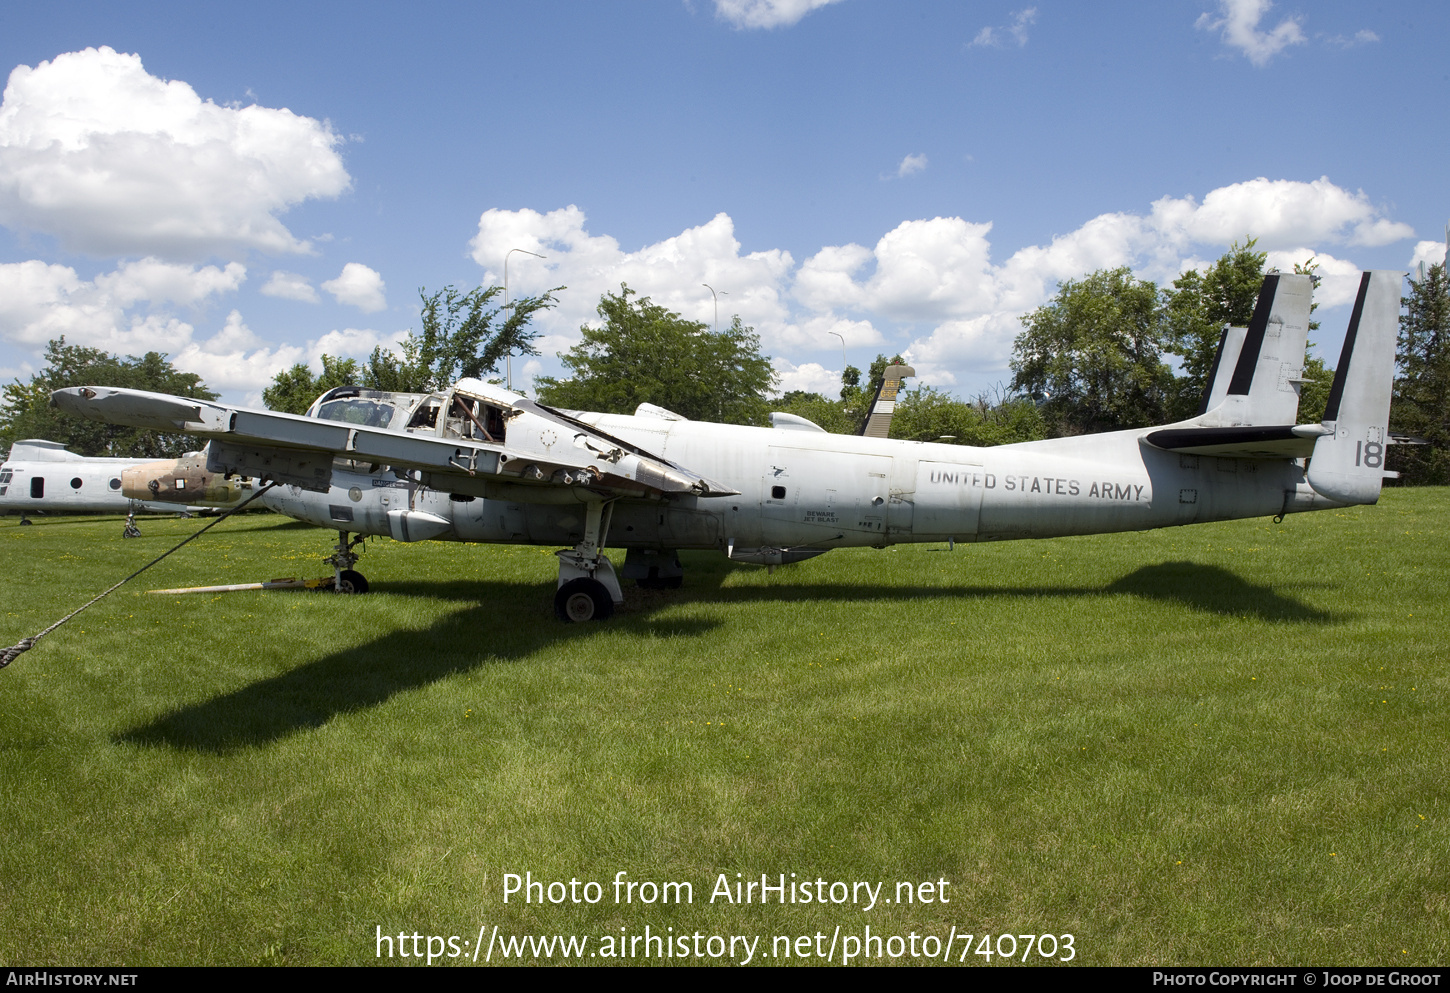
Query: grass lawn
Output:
(1224,744)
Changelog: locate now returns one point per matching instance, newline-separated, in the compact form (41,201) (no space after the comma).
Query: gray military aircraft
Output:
(44,477)
(479,463)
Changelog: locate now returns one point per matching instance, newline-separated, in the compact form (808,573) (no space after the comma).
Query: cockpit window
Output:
(358,410)
(426,416)
(471,418)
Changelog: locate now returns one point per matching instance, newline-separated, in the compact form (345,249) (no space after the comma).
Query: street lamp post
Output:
(843,351)
(717,303)
(509,364)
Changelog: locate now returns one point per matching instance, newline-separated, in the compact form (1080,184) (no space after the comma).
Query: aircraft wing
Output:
(298,450)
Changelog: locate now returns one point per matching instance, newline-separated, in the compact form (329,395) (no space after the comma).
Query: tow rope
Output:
(26,644)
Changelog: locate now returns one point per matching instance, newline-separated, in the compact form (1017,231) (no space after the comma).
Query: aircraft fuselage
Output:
(808,489)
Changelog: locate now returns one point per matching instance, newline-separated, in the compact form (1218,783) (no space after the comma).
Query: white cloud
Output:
(1279,213)
(744,14)
(931,282)
(1338,278)
(910,165)
(154,281)
(671,272)
(290,286)
(126,312)
(1361,37)
(39,302)
(815,332)
(114,161)
(812,377)
(358,286)
(1239,27)
(996,37)
(236,360)
(1428,252)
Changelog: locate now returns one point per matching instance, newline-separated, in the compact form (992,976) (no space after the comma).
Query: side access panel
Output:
(809,495)
(948,500)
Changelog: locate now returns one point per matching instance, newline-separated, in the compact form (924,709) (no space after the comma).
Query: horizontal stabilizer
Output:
(1289,441)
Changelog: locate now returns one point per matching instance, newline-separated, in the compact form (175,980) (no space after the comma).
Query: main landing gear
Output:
(345,578)
(588,589)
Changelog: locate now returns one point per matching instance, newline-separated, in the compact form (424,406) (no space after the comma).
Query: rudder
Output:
(1348,464)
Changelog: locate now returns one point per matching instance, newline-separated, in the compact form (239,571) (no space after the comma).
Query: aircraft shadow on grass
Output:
(366,675)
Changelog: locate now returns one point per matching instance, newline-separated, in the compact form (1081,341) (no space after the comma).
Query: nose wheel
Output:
(349,581)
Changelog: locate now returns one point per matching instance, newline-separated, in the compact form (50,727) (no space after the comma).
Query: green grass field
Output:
(1226,744)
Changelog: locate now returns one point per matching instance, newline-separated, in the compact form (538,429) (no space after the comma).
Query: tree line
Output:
(1094,358)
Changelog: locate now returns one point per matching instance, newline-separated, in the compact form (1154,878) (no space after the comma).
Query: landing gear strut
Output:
(131,530)
(588,588)
(344,578)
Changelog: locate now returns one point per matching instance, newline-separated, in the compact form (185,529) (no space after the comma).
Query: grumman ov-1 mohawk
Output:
(479,463)
(43,477)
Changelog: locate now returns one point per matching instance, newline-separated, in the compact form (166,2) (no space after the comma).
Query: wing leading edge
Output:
(548,453)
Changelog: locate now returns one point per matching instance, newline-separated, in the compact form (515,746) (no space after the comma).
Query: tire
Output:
(352,582)
(581,600)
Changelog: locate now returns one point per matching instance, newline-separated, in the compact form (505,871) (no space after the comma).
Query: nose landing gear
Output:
(345,579)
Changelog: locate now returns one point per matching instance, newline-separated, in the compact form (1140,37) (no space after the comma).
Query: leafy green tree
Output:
(26,411)
(1314,392)
(1421,405)
(293,391)
(829,414)
(929,414)
(1318,377)
(1094,354)
(856,399)
(461,334)
(643,353)
(1195,312)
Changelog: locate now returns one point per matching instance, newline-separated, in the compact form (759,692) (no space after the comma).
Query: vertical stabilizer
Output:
(883,407)
(1267,372)
(1348,464)
(1230,343)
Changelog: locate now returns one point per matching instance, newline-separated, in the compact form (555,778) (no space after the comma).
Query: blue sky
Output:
(248,187)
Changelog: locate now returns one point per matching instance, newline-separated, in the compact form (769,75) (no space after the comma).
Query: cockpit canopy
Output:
(464,413)
(365,408)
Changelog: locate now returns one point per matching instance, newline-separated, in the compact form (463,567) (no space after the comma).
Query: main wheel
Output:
(352,582)
(581,600)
